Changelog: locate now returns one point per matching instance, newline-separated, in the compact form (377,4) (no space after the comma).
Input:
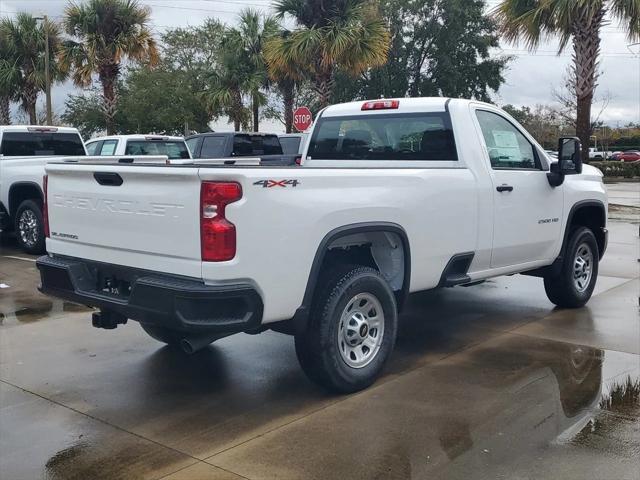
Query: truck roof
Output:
(37,128)
(419,104)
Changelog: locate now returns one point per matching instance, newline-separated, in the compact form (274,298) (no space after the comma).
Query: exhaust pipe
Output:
(193,343)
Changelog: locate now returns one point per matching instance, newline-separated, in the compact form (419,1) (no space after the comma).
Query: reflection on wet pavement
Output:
(486,382)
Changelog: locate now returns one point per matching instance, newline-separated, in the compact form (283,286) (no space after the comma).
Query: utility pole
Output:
(47,76)
(47,79)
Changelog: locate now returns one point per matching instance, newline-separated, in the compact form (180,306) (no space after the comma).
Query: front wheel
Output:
(573,286)
(29,227)
(351,331)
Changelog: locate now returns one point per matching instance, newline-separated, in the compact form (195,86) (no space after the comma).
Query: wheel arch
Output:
(21,191)
(324,248)
(591,214)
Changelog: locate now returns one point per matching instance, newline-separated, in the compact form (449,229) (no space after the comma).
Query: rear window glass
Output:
(213,147)
(421,136)
(254,145)
(290,145)
(172,149)
(31,144)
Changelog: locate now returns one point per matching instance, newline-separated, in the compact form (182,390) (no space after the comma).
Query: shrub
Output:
(618,169)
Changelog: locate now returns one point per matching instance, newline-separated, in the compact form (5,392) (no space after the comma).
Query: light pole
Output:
(47,78)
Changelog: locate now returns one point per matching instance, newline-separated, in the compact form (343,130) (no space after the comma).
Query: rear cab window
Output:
(213,146)
(397,136)
(290,145)
(32,144)
(173,149)
(256,145)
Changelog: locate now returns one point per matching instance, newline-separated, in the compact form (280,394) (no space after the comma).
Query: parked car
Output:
(293,143)
(24,150)
(330,250)
(629,156)
(596,154)
(265,146)
(172,147)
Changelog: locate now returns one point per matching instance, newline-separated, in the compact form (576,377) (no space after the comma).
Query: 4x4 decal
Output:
(277,183)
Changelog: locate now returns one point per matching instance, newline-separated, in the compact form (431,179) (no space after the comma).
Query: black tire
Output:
(318,348)
(164,335)
(29,227)
(561,289)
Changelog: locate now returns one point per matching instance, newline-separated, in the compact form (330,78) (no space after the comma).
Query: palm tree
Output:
(251,34)
(578,21)
(8,80)
(107,31)
(232,78)
(331,34)
(287,77)
(22,65)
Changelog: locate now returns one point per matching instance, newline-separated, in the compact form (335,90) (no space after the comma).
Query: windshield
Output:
(408,136)
(31,144)
(174,149)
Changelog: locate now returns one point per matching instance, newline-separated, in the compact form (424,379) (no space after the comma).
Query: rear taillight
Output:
(217,234)
(45,206)
(381,105)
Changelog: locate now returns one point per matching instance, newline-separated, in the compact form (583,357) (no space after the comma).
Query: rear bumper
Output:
(175,302)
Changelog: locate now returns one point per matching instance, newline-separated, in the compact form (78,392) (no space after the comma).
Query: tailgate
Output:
(139,216)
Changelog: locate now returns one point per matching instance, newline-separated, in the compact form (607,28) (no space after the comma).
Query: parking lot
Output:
(487,381)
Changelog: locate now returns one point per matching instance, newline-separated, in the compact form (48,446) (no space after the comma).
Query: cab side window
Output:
(507,147)
(92,147)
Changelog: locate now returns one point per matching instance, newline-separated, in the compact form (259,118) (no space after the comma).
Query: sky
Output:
(530,79)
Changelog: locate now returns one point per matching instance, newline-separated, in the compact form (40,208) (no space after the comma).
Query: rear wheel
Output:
(29,227)
(351,331)
(573,286)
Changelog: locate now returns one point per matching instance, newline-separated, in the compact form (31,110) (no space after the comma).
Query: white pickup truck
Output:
(24,151)
(392,197)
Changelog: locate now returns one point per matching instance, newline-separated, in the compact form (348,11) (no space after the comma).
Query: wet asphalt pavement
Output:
(487,382)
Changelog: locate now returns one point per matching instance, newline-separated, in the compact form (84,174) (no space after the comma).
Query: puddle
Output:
(37,309)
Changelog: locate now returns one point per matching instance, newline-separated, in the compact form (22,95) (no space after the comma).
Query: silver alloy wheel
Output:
(582,267)
(361,330)
(28,228)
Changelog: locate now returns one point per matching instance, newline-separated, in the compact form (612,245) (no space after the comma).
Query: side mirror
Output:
(569,158)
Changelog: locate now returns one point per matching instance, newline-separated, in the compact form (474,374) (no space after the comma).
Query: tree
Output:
(251,35)
(22,65)
(578,21)
(288,78)
(438,48)
(332,35)
(107,32)
(233,77)
(545,123)
(9,79)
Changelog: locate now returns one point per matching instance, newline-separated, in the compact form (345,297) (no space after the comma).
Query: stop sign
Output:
(302,118)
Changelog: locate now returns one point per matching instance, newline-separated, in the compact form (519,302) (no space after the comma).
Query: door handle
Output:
(504,188)
(110,179)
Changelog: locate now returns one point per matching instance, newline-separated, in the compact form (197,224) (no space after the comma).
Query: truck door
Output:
(527,210)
